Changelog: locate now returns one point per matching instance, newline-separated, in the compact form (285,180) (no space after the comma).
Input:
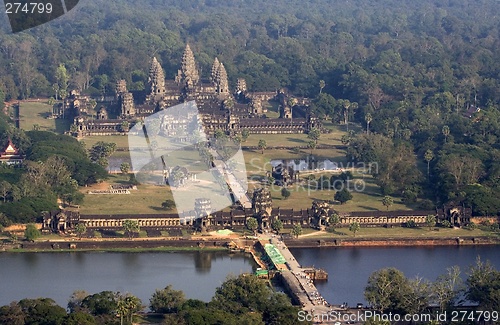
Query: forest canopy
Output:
(424,74)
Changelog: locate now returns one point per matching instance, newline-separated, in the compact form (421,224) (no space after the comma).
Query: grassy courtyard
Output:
(147,199)
(38,113)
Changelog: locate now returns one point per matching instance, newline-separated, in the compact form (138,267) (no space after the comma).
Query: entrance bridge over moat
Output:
(298,283)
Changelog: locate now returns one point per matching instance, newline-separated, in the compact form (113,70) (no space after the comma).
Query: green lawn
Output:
(364,199)
(38,113)
(300,140)
(147,199)
(120,140)
(400,232)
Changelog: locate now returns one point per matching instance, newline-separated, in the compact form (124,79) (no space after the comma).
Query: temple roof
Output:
(10,149)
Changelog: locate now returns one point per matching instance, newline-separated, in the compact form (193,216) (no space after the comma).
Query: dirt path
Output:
(319,232)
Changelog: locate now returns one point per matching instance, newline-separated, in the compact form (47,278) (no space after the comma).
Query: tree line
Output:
(388,290)
(242,299)
(54,169)
(407,72)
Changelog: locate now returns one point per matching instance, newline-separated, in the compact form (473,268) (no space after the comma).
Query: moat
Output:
(198,274)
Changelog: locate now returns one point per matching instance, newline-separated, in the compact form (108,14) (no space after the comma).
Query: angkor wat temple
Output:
(220,107)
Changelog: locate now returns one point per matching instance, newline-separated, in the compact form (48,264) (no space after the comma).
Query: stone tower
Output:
(213,71)
(241,86)
(256,106)
(188,74)
(121,88)
(262,202)
(156,81)
(127,104)
(222,84)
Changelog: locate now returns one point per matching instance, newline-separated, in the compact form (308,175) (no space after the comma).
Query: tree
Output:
(428,156)
(102,303)
(62,77)
(124,167)
(483,285)
(100,152)
(368,120)
(333,220)
(430,221)
(42,311)
(124,126)
(80,318)
(387,201)
(354,227)
(80,229)
(244,135)
(262,145)
(314,134)
(55,88)
(168,204)
(448,288)
(76,299)
(277,225)
(242,293)
(252,224)
(130,227)
(321,85)
(416,296)
(31,232)
(5,189)
(445,224)
(271,180)
(311,145)
(285,193)
(166,300)
(343,196)
(385,289)
(92,103)
(446,132)
(296,230)
(127,305)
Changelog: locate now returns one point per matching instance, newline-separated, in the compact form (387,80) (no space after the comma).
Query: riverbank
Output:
(119,245)
(217,244)
(391,242)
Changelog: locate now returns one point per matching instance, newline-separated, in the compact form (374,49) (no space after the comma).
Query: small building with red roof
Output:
(10,155)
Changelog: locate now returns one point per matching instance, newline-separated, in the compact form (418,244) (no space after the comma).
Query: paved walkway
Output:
(239,192)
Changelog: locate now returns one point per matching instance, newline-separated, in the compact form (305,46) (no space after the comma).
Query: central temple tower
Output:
(188,74)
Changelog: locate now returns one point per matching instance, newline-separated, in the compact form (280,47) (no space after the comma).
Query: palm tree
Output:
(311,145)
(428,156)
(346,103)
(321,85)
(262,145)
(368,120)
(387,201)
(446,132)
(354,227)
(55,88)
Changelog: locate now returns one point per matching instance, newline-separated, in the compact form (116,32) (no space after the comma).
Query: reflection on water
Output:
(57,275)
(203,261)
(349,268)
(306,164)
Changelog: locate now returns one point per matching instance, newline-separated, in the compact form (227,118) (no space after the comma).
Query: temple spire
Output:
(221,81)
(215,68)
(188,73)
(156,78)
